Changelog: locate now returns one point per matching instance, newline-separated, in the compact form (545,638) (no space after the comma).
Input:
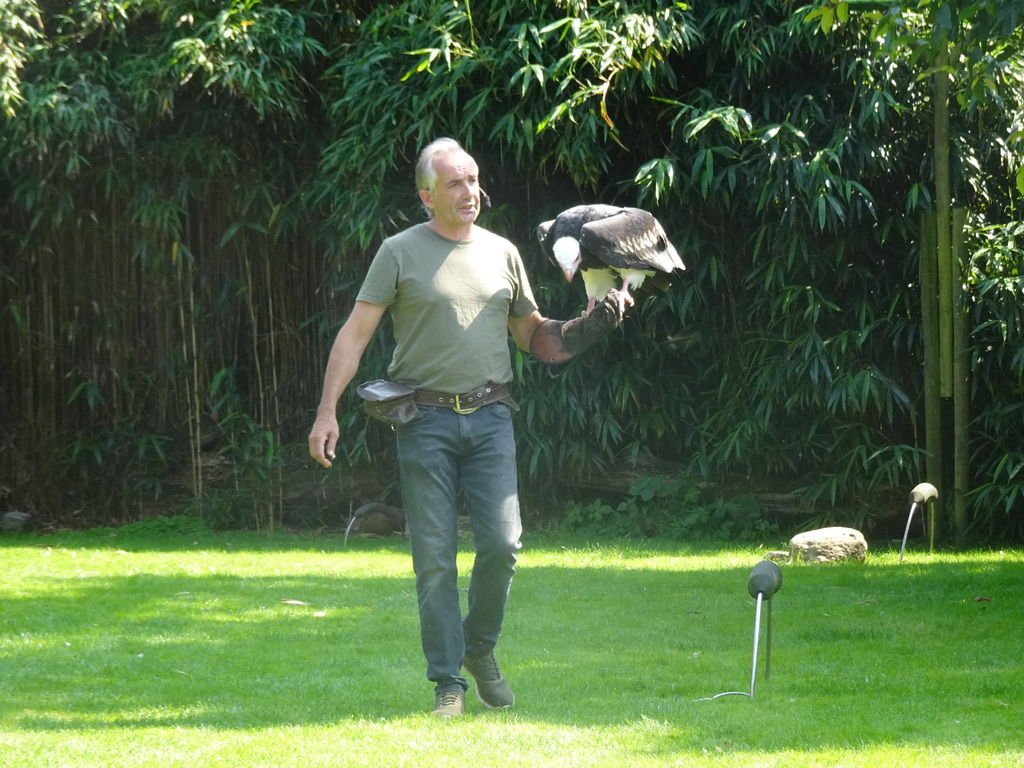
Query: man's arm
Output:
(342,365)
(554,342)
(522,328)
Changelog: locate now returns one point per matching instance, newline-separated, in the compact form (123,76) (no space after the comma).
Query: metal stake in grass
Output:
(765,580)
(923,493)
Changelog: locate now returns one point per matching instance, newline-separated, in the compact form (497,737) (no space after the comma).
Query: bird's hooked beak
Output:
(566,251)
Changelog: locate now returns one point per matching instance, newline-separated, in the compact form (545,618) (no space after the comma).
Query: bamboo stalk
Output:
(271,334)
(255,351)
(191,379)
(961,379)
(930,332)
(943,228)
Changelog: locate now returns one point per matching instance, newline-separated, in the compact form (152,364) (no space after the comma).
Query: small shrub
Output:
(661,507)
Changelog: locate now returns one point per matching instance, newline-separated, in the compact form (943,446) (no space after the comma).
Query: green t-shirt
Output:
(450,302)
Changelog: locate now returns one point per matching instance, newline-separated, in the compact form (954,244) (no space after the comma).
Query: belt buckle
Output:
(459,409)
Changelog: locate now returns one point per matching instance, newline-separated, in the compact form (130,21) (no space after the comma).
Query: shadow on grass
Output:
(140,539)
(862,654)
(215,651)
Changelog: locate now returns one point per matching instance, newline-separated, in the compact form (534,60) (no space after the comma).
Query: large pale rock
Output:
(828,544)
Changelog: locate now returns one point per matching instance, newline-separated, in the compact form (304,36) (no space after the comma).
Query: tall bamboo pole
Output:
(961,372)
(951,390)
(943,203)
(932,393)
(275,384)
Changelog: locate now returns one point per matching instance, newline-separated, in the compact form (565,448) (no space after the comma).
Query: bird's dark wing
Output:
(631,239)
(542,231)
(546,239)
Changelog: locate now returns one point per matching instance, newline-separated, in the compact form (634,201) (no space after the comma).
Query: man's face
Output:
(455,200)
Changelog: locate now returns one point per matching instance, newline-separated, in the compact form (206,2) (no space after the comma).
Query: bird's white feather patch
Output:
(633,278)
(567,253)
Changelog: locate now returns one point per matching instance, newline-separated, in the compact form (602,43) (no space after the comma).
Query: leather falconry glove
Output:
(556,341)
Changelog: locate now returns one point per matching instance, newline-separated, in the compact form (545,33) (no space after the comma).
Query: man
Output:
(455,291)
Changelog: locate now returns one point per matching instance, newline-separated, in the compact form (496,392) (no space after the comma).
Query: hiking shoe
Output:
(450,703)
(491,688)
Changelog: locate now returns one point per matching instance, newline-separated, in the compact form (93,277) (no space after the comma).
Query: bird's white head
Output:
(567,254)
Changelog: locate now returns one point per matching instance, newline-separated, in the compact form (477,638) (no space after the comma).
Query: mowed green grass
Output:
(242,649)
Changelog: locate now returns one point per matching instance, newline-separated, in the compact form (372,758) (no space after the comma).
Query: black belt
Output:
(468,402)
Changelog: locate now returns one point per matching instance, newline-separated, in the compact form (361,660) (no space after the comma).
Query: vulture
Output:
(605,242)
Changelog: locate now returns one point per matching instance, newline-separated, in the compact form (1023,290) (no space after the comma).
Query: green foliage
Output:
(177,525)
(18,30)
(192,193)
(672,509)
(997,316)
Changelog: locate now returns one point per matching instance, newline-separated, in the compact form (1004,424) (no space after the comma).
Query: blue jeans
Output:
(447,457)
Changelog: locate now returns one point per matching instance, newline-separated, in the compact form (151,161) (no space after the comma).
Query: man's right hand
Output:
(344,359)
(324,438)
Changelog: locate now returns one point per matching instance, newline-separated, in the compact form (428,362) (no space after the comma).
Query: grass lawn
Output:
(240,649)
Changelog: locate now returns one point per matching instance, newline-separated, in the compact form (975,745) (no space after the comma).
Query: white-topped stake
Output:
(923,493)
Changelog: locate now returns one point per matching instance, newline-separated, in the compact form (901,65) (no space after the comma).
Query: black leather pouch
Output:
(388,402)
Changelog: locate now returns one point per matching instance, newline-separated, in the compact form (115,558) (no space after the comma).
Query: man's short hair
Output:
(426,174)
